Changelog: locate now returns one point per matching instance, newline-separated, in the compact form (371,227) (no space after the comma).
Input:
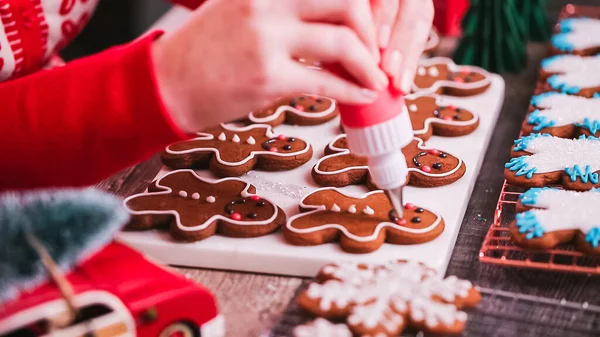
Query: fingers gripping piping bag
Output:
(379,131)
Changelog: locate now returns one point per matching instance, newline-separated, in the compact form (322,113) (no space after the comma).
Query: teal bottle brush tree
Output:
(494,36)
(535,19)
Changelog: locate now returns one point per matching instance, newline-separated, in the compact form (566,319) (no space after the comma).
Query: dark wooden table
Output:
(516,302)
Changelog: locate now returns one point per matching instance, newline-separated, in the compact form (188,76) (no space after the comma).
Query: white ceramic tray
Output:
(271,254)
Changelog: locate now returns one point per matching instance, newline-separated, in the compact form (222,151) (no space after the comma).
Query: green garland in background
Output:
(535,19)
(494,36)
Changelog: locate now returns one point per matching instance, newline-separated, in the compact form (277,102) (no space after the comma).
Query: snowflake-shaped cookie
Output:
(563,115)
(360,224)
(579,36)
(321,327)
(299,110)
(571,74)
(430,115)
(442,76)
(194,208)
(548,217)
(232,151)
(397,295)
(542,159)
(427,167)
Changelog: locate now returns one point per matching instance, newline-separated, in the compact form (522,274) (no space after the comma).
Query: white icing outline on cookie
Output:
(283,108)
(453,68)
(439,101)
(341,151)
(168,190)
(268,132)
(343,229)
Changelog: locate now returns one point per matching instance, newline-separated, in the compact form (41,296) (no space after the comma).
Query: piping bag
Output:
(379,131)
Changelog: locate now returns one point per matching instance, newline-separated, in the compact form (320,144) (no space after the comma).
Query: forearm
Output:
(77,124)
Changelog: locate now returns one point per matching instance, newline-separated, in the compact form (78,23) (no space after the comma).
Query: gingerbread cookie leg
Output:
(194,208)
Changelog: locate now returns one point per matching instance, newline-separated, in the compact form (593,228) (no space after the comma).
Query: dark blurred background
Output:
(115,22)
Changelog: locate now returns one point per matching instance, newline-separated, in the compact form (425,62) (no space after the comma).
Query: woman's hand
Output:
(234,56)
(403,27)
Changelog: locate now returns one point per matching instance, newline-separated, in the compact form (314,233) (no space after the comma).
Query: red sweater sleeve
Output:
(78,124)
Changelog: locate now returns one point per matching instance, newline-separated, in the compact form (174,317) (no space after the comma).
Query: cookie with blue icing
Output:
(571,74)
(563,115)
(548,217)
(542,160)
(577,35)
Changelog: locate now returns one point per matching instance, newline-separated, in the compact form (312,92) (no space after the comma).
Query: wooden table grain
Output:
(252,303)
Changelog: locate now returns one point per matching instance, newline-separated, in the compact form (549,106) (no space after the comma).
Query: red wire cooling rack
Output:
(498,248)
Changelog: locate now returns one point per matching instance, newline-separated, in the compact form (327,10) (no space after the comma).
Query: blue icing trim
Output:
(596,95)
(585,176)
(584,137)
(537,99)
(523,142)
(549,60)
(539,121)
(530,197)
(562,43)
(557,84)
(528,223)
(592,126)
(522,167)
(593,237)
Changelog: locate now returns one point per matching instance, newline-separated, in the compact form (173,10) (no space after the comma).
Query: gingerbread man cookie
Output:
(427,167)
(563,115)
(361,225)
(385,299)
(300,110)
(232,151)
(542,160)
(571,74)
(430,115)
(442,76)
(548,217)
(194,209)
(577,35)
